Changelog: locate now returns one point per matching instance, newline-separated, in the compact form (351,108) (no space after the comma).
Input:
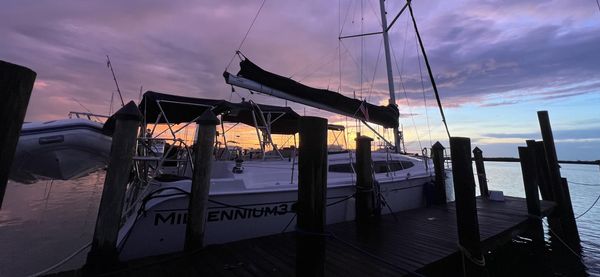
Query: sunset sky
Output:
(496,62)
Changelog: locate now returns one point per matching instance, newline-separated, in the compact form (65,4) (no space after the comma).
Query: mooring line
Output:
(563,242)
(68,258)
(590,208)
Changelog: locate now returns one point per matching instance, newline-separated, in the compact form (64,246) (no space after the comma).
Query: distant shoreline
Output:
(509,159)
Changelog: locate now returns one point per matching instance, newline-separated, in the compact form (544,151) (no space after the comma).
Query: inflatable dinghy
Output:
(60,149)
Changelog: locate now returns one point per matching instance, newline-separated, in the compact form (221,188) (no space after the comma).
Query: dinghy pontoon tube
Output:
(59,149)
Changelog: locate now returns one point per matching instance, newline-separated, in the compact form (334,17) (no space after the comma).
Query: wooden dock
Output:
(406,243)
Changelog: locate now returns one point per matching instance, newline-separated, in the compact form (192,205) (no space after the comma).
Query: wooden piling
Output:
(530,183)
(481,176)
(365,197)
(16,83)
(437,156)
(542,174)
(568,223)
(528,169)
(312,196)
(544,183)
(103,254)
(198,201)
(466,208)
(570,216)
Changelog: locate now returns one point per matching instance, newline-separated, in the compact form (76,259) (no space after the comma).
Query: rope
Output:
(328,205)
(288,225)
(586,211)
(584,184)
(68,258)
(598,3)
(468,255)
(340,201)
(246,35)
(562,241)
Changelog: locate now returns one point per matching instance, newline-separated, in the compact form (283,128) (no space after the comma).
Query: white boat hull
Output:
(238,211)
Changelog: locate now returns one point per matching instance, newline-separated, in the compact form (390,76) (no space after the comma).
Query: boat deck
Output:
(407,242)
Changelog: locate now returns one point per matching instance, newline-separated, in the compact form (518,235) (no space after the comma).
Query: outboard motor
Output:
(238,168)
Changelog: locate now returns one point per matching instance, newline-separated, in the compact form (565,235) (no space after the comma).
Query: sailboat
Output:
(252,196)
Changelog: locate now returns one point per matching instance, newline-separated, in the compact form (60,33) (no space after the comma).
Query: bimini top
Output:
(255,78)
(167,108)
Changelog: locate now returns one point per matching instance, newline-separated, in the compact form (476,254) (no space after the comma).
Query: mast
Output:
(390,73)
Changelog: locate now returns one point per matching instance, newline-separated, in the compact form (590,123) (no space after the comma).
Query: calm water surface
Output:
(42,223)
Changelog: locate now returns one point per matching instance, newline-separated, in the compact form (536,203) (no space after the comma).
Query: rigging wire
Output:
(88,110)
(375,13)
(308,67)
(412,117)
(319,67)
(246,35)
(109,65)
(437,95)
(362,55)
(349,54)
(362,46)
(370,91)
(341,24)
(423,90)
(598,3)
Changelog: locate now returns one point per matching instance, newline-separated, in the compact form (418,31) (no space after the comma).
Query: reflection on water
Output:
(42,223)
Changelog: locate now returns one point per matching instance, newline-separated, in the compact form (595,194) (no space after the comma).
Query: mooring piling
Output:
(559,187)
(103,254)
(570,216)
(535,231)
(16,84)
(198,200)
(437,156)
(541,169)
(481,176)
(545,185)
(466,207)
(530,180)
(365,196)
(312,196)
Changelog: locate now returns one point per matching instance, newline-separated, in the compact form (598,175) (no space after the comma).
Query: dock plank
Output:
(396,245)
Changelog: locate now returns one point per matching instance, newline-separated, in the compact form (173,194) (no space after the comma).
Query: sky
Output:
(495,62)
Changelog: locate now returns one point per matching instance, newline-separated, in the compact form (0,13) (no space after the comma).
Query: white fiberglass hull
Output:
(241,207)
(60,149)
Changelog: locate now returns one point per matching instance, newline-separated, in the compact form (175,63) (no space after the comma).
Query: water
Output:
(584,188)
(42,223)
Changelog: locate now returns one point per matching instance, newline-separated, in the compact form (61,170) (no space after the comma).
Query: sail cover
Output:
(282,87)
(162,108)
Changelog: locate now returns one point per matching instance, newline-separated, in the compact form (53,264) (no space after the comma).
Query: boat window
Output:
(393,166)
(378,166)
(342,168)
